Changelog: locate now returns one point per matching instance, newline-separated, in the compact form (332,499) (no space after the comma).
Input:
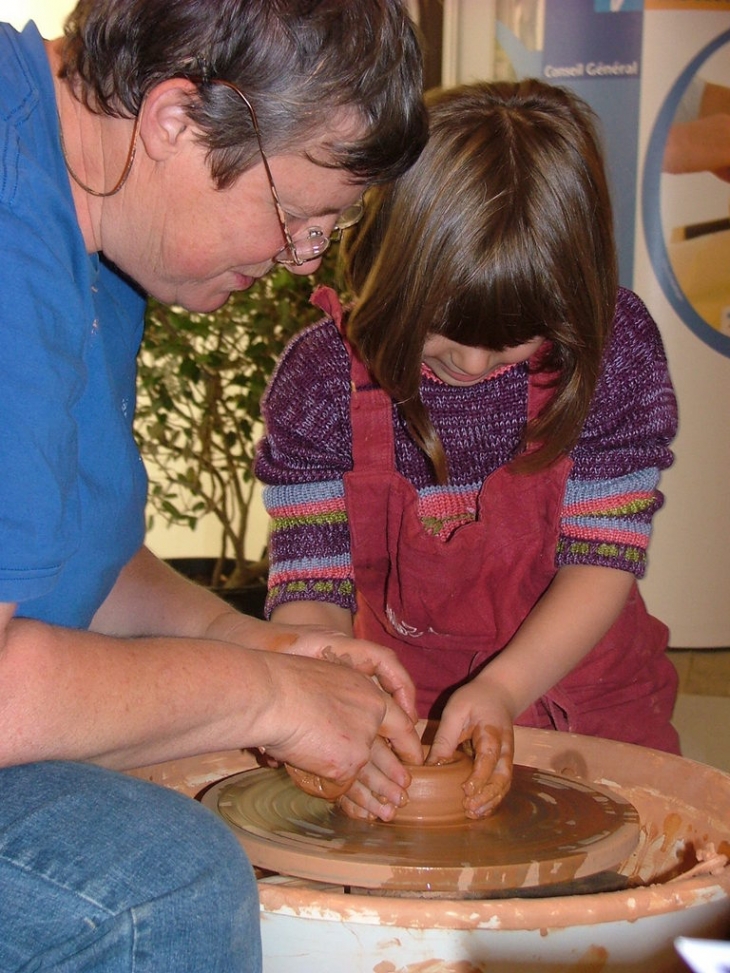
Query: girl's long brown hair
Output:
(501,232)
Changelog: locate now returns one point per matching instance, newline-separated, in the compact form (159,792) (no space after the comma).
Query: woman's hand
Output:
(320,630)
(328,720)
(368,658)
(381,786)
(323,632)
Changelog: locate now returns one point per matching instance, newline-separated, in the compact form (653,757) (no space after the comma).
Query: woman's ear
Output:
(165,125)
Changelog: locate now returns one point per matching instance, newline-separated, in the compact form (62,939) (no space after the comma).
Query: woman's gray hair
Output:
(300,63)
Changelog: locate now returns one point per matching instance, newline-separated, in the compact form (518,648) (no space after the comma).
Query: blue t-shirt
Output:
(72,483)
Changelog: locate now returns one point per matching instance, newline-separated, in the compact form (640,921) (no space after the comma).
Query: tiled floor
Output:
(702,713)
(703,672)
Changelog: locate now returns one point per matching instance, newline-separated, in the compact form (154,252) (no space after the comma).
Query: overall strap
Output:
(540,390)
(542,384)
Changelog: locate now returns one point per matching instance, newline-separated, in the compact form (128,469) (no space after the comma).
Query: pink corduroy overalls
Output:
(448,606)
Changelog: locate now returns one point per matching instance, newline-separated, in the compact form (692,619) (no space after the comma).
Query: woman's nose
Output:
(309,267)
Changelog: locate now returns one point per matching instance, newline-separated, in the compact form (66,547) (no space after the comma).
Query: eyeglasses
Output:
(311,243)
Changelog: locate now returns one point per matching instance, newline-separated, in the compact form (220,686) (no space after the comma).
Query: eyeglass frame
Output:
(312,232)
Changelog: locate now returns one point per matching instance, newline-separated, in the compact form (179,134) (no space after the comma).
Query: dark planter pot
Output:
(249,599)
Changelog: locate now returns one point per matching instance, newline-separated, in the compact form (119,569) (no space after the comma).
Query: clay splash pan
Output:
(550,833)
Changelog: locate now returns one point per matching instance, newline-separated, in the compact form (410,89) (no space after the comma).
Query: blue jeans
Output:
(103,872)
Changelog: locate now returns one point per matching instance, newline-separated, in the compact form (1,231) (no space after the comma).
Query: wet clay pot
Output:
(436,795)
(679,874)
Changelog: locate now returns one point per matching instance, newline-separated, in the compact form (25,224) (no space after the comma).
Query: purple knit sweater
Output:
(611,495)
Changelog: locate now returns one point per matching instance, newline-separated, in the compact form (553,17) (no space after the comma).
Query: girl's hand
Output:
(481,717)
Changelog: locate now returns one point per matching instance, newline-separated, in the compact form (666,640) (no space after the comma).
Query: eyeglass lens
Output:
(312,243)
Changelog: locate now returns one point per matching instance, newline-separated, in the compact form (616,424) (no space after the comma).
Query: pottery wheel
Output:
(549,830)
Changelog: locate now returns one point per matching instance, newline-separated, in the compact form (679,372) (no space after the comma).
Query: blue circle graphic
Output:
(651,205)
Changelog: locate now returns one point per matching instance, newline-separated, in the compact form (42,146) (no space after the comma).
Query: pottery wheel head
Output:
(549,830)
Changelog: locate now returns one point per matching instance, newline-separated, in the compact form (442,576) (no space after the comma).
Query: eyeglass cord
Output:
(127,165)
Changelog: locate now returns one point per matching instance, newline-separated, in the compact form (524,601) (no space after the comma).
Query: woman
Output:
(132,164)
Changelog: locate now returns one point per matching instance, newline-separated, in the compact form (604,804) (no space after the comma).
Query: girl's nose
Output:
(473,361)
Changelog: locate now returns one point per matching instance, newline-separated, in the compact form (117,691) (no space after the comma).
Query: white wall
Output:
(468,41)
(48,14)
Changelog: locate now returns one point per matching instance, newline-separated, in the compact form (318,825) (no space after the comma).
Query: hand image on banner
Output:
(686,195)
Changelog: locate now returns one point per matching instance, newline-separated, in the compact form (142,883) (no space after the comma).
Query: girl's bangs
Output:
(501,307)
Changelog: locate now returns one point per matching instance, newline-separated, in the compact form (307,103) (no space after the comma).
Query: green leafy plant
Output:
(200,382)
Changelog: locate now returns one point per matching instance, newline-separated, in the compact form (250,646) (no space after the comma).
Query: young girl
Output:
(465,467)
